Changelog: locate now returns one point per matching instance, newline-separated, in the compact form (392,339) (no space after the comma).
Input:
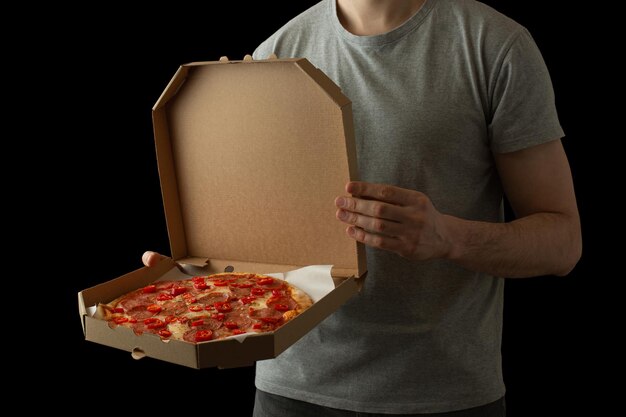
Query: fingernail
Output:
(340,202)
(351,231)
(342,215)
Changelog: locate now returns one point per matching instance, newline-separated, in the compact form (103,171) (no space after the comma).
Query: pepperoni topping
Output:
(218,316)
(156,324)
(120,320)
(223,307)
(189,297)
(154,308)
(285,303)
(238,331)
(149,289)
(200,285)
(198,334)
(164,333)
(220,283)
(118,310)
(177,290)
(248,300)
(258,291)
(196,308)
(203,335)
(265,281)
(164,297)
(231,324)
(270,285)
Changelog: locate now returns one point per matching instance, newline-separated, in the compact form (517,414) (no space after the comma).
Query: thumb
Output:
(150,258)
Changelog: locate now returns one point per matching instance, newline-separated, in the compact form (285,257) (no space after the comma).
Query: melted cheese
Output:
(177,329)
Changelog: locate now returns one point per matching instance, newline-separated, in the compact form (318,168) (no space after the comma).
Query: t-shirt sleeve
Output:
(264,50)
(523,112)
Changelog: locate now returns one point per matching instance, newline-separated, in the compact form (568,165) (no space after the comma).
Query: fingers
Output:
(381,192)
(370,208)
(372,224)
(150,258)
(389,243)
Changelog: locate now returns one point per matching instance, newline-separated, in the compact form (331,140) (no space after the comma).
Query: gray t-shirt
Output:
(432,100)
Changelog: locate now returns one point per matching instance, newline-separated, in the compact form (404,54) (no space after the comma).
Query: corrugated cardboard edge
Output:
(167,171)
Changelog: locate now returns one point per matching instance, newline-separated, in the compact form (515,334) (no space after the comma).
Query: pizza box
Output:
(251,155)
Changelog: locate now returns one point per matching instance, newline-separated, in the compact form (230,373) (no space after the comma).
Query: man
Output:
(453,107)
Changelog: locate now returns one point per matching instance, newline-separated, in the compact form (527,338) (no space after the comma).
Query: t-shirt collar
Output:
(378,40)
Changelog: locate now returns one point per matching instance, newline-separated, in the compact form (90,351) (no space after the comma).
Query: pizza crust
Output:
(300,297)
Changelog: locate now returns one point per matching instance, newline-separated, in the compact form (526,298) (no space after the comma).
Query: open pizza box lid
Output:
(251,155)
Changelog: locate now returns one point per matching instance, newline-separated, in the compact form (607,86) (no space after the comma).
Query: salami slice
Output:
(213,297)
(137,299)
(174,308)
(139,312)
(267,315)
(139,328)
(239,317)
(190,335)
(240,292)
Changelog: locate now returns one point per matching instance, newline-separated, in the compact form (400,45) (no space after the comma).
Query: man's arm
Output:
(545,239)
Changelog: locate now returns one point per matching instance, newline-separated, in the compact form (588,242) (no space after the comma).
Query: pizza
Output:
(206,308)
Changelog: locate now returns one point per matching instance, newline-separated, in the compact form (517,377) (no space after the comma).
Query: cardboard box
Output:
(251,155)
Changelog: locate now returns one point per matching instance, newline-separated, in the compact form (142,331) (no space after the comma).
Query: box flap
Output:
(251,157)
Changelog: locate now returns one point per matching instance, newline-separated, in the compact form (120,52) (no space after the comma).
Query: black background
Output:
(560,348)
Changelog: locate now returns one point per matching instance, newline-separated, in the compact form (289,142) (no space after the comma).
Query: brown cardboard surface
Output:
(251,156)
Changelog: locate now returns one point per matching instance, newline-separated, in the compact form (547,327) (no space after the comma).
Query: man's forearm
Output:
(538,244)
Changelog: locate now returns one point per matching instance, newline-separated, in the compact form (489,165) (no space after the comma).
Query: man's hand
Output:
(150,258)
(395,219)
(544,239)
